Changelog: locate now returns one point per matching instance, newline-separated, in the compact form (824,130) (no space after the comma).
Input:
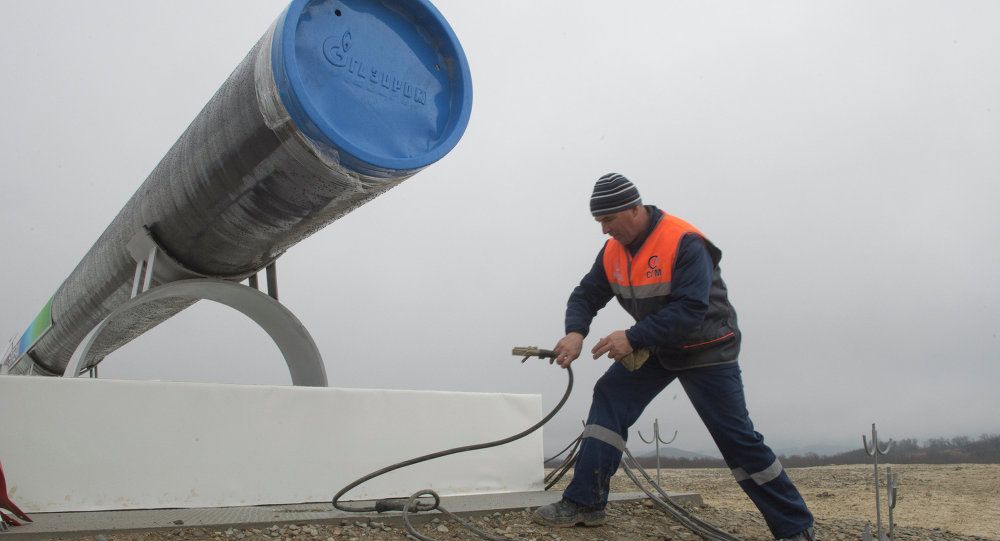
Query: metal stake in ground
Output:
(875,451)
(658,440)
(891,487)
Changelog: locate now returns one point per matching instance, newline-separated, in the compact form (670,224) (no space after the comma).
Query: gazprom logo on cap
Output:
(337,49)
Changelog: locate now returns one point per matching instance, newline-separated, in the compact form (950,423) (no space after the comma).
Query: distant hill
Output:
(960,450)
(822,449)
(670,452)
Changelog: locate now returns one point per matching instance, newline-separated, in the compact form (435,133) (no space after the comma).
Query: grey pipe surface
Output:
(258,170)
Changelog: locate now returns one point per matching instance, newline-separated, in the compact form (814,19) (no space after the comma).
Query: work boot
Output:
(805,535)
(565,514)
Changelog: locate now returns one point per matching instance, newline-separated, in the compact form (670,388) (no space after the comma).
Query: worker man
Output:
(665,274)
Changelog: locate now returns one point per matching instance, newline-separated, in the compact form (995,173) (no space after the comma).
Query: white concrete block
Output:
(96,444)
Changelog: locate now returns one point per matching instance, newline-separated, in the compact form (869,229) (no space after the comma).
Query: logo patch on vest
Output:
(654,267)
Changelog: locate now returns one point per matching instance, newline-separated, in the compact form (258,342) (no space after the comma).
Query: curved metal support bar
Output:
(875,449)
(296,344)
(656,434)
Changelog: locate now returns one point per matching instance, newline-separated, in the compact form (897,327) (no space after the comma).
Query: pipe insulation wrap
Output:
(339,101)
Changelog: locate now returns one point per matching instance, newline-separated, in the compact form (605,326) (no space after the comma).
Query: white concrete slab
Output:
(96,444)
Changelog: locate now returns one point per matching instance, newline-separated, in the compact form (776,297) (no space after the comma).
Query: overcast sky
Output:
(843,155)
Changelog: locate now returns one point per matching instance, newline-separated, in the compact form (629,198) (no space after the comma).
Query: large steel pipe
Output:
(339,101)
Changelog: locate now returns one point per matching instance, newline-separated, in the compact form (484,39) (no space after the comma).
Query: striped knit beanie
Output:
(613,193)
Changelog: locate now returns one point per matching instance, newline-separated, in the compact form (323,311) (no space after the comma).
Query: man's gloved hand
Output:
(634,360)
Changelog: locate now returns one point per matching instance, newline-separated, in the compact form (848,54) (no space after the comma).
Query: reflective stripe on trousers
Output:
(598,432)
(766,475)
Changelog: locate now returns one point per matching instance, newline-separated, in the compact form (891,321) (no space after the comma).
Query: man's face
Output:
(624,226)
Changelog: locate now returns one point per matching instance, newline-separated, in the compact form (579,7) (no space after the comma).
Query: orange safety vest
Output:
(649,272)
(642,285)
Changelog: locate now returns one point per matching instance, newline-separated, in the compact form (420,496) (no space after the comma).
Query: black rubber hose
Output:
(668,505)
(411,504)
(575,443)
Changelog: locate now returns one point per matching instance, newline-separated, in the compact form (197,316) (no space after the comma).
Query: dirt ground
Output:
(961,498)
(935,503)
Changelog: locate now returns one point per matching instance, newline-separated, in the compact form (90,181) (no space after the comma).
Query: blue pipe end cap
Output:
(384,82)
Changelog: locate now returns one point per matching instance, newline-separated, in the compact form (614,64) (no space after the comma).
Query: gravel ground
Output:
(724,508)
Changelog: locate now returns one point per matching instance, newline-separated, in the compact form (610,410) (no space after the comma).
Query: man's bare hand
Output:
(616,345)
(568,349)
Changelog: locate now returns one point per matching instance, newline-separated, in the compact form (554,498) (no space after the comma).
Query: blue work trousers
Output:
(716,392)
